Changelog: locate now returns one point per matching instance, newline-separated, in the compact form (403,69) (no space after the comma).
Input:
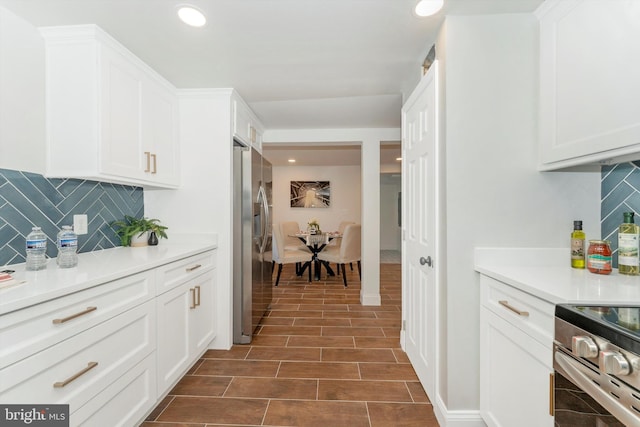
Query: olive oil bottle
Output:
(577,245)
(628,246)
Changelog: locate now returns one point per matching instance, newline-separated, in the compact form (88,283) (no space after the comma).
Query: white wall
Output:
(345,195)
(494,194)
(22,95)
(203,204)
(390,231)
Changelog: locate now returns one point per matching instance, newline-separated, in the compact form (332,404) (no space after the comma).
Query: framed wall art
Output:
(310,194)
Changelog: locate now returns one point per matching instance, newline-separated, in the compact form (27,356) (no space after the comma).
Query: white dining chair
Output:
(289,229)
(281,255)
(349,251)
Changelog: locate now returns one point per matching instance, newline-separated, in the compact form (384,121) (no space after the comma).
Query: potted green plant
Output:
(135,231)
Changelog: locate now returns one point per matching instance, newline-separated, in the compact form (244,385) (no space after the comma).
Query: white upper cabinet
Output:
(589,85)
(246,126)
(109,116)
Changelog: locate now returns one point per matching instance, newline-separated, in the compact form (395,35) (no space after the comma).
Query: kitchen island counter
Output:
(547,274)
(95,268)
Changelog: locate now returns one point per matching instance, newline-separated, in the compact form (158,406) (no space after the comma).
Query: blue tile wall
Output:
(620,192)
(28,199)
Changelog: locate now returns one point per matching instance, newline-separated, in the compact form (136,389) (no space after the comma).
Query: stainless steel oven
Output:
(596,360)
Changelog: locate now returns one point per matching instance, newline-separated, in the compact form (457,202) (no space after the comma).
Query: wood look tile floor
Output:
(319,359)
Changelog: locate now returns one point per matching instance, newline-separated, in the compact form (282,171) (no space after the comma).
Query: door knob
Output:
(426,260)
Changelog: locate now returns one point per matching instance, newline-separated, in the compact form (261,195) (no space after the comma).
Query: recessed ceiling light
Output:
(191,16)
(428,7)
(398,158)
(292,160)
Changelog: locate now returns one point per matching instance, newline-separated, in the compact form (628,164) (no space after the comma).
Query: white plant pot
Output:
(140,240)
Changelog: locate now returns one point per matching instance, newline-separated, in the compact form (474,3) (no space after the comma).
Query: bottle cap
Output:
(628,217)
(577,225)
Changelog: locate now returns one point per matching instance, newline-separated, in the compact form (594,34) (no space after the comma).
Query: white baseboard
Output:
(370,299)
(448,418)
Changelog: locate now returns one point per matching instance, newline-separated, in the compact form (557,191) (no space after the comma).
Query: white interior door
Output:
(419,266)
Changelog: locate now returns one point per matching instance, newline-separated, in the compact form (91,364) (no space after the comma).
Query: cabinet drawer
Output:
(172,275)
(65,373)
(536,315)
(123,403)
(25,332)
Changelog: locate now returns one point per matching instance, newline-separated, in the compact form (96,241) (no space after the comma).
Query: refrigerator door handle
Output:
(262,197)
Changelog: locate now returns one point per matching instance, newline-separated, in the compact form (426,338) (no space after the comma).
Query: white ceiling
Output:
(336,155)
(297,63)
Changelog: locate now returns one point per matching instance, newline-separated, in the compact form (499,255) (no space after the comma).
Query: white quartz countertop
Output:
(94,268)
(547,274)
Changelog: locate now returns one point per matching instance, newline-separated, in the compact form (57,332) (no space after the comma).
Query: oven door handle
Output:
(574,370)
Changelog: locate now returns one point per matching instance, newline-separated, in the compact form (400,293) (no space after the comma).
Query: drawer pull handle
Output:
(198,295)
(515,310)
(147,154)
(73,316)
(193,298)
(195,267)
(74,377)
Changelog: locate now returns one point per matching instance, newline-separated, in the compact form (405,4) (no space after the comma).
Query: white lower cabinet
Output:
(516,369)
(125,402)
(112,351)
(185,325)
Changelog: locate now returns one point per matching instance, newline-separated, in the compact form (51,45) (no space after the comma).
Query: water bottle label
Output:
(68,243)
(37,244)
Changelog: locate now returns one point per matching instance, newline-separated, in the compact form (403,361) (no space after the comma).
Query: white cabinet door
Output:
(109,116)
(121,143)
(186,326)
(516,380)
(159,152)
(202,321)
(173,335)
(589,86)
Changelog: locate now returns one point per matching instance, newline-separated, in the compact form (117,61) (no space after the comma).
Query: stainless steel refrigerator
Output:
(252,286)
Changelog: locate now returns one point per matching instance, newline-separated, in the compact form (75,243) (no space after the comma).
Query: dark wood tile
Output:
(273,388)
(291,330)
(286,353)
(236,352)
(269,340)
(352,332)
(344,342)
(387,371)
(417,392)
(401,415)
(199,385)
(372,391)
(375,342)
(357,355)
(322,322)
(316,414)
(215,410)
(239,368)
(319,370)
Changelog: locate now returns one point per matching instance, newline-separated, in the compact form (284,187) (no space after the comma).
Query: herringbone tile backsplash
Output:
(28,199)
(620,192)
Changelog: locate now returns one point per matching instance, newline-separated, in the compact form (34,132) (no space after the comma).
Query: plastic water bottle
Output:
(36,249)
(67,247)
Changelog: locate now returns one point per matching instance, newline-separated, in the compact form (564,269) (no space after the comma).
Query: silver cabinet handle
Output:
(75,376)
(195,267)
(153,157)
(197,295)
(73,316)
(515,310)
